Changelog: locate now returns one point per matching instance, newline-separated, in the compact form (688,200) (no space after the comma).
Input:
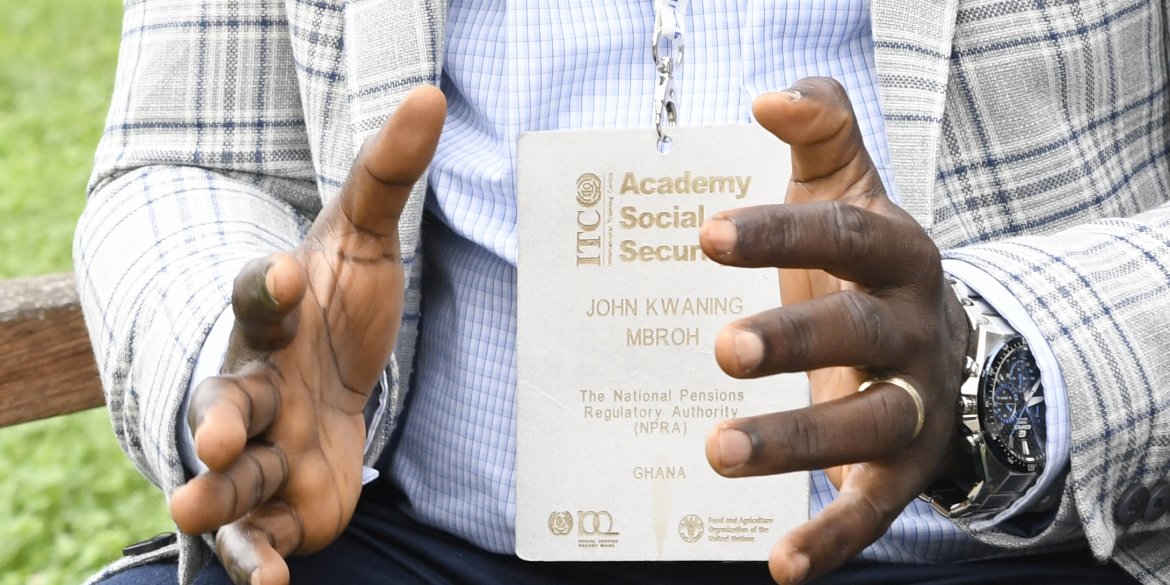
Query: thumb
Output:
(265,295)
(815,118)
(391,161)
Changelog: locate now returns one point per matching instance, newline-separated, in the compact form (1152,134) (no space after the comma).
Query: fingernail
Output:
(798,568)
(267,288)
(722,234)
(735,448)
(749,349)
(793,94)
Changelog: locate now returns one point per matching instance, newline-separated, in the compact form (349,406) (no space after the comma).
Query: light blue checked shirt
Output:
(526,65)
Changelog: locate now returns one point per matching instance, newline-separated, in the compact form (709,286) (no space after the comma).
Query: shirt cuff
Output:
(1058,446)
(207,364)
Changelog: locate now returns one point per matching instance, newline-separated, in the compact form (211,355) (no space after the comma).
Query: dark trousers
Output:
(383,545)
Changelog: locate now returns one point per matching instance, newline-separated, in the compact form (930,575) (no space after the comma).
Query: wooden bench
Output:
(46,363)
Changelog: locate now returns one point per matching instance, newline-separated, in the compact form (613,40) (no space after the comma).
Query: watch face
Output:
(1011,406)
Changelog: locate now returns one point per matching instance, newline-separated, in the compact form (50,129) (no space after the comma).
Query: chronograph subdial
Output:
(1005,404)
(1012,406)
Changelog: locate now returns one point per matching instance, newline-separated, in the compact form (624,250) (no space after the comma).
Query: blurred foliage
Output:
(69,499)
(56,73)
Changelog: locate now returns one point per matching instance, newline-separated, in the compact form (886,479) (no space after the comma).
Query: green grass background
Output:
(69,499)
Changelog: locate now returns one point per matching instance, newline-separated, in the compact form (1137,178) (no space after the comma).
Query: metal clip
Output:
(665,106)
(667,46)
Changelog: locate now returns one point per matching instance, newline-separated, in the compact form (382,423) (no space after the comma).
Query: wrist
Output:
(1001,418)
(964,339)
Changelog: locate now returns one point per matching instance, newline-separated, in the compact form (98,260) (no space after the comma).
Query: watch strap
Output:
(992,486)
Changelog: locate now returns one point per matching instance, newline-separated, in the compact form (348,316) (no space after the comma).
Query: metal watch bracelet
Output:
(993,486)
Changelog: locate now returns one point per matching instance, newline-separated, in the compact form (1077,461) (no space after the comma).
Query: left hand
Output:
(864,297)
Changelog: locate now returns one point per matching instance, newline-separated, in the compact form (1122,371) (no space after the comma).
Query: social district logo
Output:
(592,523)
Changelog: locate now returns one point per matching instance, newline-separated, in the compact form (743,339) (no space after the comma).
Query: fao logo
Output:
(588,190)
(560,523)
(690,528)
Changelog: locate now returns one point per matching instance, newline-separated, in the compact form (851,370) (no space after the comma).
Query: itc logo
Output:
(588,220)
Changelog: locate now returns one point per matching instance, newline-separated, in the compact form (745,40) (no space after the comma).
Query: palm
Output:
(349,315)
(852,181)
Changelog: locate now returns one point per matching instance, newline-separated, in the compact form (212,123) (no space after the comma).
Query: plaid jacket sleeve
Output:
(231,121)
(1098,292)
(204,165)
(1053,177)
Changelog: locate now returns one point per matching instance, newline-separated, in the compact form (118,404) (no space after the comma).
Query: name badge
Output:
(618,309)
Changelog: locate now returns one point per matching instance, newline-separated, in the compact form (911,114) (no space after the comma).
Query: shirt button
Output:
(1131,506)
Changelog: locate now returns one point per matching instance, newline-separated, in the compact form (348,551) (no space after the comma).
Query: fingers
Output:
(867,426)
(392,161)
(226,411)
(264,298)
(215,498)
(846,328)
(253,548)
(815,117)
(846,241)
(864,509)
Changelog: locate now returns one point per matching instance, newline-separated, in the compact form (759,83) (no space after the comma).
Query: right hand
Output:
(863,296)
(282,430)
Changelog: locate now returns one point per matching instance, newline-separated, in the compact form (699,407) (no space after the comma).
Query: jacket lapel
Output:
(912,47)
(391,46)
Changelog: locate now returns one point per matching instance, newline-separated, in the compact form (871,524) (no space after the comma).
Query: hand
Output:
(282,429)
(863,296)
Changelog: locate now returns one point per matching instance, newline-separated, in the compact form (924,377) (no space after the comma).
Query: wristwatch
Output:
(1001,418)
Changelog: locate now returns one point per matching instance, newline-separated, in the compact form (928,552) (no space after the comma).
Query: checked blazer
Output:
(1030,137)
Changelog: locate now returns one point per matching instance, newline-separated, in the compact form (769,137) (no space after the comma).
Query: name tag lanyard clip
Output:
(667,46)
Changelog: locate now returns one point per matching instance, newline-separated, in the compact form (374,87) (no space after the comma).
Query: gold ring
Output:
(909,388)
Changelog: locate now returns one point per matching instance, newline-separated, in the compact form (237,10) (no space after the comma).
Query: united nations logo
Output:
(560,523)
(690,528)
(588,189)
